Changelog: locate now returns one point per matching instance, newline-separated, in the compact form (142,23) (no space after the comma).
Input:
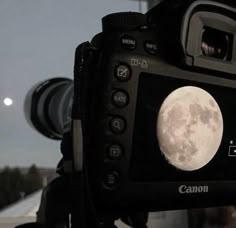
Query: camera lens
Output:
(217,44)
(48,107)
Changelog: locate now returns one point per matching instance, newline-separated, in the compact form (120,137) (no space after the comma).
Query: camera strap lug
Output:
(84,57)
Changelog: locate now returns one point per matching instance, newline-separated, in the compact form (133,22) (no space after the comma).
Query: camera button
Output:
(122,73)
(128,42)
(115,152)
(120,99)
(117,125)
(151,47)
(111,179)
(232,151)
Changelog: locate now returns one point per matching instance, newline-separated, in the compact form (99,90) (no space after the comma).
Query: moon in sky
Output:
(8,101)
(189,128)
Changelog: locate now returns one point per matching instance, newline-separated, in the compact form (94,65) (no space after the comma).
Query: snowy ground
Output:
(25,211)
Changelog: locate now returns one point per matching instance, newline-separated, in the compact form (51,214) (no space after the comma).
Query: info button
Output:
(151,47)
(232,151)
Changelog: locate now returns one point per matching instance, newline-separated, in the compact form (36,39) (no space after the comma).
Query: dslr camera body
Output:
(155,97)
(153,111)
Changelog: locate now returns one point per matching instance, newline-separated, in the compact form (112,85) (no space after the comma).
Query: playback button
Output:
(122,72)
(115,152)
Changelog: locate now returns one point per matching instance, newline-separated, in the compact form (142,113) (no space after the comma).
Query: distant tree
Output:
(17,183)
(5,186)
(11,185)
(33,180)
(14,185)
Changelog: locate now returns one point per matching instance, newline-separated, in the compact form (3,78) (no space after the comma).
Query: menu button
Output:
(128,42)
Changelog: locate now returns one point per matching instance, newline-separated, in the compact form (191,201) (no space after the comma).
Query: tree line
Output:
(14,185)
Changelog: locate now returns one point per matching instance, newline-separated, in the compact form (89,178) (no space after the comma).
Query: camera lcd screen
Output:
(148,162)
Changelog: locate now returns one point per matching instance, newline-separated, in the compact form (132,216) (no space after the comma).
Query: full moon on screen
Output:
(189,128)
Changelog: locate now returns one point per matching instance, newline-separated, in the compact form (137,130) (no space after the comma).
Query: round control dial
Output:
(123,21)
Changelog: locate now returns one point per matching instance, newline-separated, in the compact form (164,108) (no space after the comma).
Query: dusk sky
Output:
(37,42)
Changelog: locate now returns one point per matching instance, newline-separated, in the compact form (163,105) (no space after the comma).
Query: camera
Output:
(153,109)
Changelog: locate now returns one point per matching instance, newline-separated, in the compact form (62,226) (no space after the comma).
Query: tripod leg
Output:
(136,220)
(108,220)
(54,206)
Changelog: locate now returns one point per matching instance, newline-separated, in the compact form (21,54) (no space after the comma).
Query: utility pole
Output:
(150,3)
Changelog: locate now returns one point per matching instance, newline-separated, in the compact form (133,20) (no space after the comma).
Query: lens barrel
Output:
(48,107)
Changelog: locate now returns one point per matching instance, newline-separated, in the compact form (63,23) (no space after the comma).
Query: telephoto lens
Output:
(48,107)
